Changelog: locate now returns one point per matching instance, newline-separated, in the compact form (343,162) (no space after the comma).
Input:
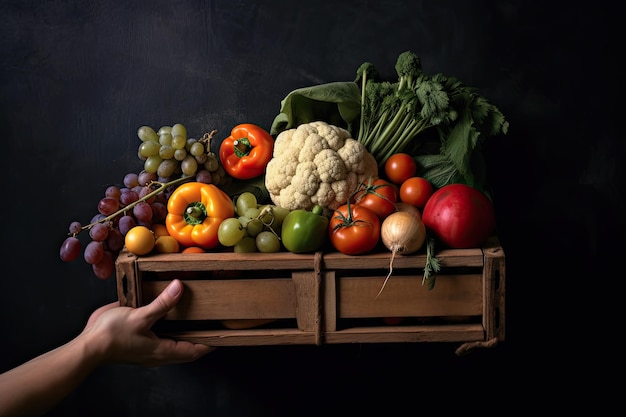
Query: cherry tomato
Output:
(399,167)
(139,240)
(166,244)
(380,196)
(354,229)
(160,230)
(416,191)
(193,249)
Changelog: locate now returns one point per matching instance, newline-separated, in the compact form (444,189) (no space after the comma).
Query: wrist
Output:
(92,348)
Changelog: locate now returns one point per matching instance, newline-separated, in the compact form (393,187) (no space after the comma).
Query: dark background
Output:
(77,78)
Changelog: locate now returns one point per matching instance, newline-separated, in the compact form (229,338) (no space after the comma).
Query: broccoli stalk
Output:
(364,73)
(380,107)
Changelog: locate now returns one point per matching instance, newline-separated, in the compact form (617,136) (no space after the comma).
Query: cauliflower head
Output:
(317,164)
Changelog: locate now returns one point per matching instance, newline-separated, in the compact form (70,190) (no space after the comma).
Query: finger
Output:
(171,352)
(166,300)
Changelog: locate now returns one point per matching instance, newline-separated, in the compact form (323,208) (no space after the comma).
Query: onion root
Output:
(404,233)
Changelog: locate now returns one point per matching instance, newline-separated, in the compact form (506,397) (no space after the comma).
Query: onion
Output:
(402,206)
(404,233)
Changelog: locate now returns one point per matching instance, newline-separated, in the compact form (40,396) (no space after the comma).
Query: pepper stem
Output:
(195,213)
(242,147)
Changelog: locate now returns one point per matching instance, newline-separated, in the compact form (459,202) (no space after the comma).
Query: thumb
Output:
(166,300)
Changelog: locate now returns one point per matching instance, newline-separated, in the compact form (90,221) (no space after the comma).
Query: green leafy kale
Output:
(396,115)
(436,118)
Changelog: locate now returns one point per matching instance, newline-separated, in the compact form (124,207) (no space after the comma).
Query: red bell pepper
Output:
(246,152)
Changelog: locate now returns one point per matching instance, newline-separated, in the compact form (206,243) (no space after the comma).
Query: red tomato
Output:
(399,167)
(460,216)
(354,229)
(416,191)
(380,196)
(193,249)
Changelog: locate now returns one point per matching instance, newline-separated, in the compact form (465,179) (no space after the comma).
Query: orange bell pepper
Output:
(246,152)
(195,211)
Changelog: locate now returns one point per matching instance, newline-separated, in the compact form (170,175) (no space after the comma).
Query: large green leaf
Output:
(337,103)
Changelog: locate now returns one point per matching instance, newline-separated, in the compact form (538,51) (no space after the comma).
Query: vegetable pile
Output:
(355,167)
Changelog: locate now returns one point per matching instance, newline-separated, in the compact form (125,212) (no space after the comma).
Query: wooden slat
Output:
(226,261)
(407,334)
(307,299)
(405,296)
(246,337)
(380,260)
(266,298)
(127,280)
(387,334)
(494,290)
(330,301)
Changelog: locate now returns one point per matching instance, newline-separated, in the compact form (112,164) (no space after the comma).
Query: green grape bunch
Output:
(255,227)
(170,153)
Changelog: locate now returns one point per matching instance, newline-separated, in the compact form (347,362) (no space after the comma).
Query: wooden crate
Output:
(324,298)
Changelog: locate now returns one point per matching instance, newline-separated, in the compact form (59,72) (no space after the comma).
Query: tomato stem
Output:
(370,188)
(349,221)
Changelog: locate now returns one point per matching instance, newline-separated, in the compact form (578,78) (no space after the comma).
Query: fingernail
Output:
(174,288)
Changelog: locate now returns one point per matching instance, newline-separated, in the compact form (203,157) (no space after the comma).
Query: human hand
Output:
(123,334)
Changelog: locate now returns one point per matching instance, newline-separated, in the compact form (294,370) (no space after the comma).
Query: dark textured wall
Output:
(77,78)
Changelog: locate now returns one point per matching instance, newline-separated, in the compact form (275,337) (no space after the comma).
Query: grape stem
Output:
(161,186)
(270,211)
(206,140)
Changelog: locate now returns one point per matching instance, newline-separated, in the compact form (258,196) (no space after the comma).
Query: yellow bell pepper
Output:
(195,211)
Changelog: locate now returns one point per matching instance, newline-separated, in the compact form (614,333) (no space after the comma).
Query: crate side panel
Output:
(405,296)
(229,299)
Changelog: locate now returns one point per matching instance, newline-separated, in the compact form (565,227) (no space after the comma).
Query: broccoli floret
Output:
(408,68)
(367,71)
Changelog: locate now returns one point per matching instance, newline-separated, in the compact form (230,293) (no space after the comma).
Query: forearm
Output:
(113,334)
(38,385)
